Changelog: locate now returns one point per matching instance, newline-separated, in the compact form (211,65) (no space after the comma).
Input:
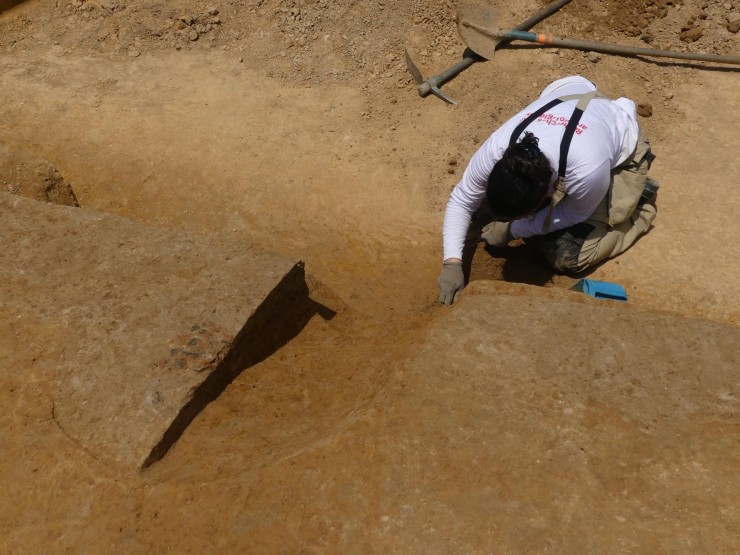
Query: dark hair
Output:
(519,181)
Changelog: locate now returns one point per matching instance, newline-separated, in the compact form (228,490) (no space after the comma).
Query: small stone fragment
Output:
(733,23)
(193,35)
(645,109)
(594,57)
(691,35)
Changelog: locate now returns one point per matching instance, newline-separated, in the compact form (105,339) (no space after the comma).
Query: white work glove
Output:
(451,282)
(497,234)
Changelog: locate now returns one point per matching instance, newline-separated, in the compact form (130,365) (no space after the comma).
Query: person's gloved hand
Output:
(497,234)
(451,282)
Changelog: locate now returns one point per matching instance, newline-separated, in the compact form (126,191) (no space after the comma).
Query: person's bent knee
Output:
(565,257)
(565,253)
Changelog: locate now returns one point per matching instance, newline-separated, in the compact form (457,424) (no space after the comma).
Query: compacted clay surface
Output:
(521,420)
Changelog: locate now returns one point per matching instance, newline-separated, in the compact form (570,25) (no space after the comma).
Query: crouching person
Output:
(570,169)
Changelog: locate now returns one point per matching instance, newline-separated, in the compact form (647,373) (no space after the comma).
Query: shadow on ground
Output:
(520,262)
(280,318)
(6,5)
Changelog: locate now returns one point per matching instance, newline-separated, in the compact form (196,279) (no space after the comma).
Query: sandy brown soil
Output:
(295,125)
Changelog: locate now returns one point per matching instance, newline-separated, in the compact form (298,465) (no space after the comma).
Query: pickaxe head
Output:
(426,86)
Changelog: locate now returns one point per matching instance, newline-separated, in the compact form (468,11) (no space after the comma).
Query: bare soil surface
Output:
(295,125)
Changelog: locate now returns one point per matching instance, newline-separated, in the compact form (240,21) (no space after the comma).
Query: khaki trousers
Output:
(616,223)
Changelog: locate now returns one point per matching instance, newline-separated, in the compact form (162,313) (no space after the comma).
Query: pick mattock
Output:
(478,29)
(470,56)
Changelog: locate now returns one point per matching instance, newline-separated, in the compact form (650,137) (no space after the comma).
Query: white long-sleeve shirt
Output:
(605,137)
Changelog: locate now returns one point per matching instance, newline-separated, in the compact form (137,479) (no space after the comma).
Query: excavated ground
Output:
(294,125)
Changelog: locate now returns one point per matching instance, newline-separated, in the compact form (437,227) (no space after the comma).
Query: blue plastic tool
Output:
(601,289)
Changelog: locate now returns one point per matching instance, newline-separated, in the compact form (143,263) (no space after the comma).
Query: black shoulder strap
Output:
(570,129)
(530,118)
